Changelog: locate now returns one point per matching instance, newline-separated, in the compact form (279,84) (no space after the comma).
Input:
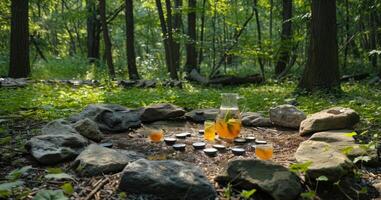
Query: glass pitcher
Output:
(228,122)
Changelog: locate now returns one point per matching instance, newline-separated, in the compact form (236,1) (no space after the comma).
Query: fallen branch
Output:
(96,189)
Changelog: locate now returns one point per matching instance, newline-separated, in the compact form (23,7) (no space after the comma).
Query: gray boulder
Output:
(168,179)
(51,149)
(59,126)
(89,129)
(110,118)
(329,119)
(325,160)
(341,141)
(96,160)
(287,116)
(161,112)
(201,115)
(269,177)
(255,119)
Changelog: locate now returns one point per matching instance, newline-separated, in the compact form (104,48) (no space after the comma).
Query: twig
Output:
(95,190)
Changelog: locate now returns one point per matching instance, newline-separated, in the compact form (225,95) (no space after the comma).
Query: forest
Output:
(190,99)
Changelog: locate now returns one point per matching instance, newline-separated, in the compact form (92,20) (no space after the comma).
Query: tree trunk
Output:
(191,62)
(177,21)
(164,31)
(259,33)
(373,37)
(286,37)
(271,19)
(106,38)
(347,42)
(322,70)
(92,31)
(130,46)
(171,44)
(19,49)
(200,55)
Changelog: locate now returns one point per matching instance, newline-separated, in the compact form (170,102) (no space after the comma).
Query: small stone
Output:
(199,145)
(238,151)
(166,178)
(179,147)
(255,119)
(50,149)
(240,141)
(89,129)
(250,139)
(260,141)
(210,152)
(181,135)
(330,119)
(170,141)
(96,160)
(59,126)
(161,112)
(286,116)
(202,115)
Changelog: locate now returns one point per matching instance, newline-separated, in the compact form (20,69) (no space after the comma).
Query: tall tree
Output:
(259,35)
(93,27)
(322,70)
(200,54)
(166,28)
(177,22)
(191,58)
(106,39)
(286,36)
(130,46)
(19,49)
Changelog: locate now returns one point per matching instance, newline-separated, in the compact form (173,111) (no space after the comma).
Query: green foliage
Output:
(60,176)
(246,194)
(300,167)
(228,191)
(308,195)
(67,188)
(17,173)
(50,195)
(6,188)
(322,178)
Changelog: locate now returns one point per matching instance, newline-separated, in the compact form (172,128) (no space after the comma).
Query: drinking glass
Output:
(264,151)
(209,131)
(156,135)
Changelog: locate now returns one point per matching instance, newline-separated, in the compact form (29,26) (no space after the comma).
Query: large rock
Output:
(96,160)
(55,148)
(167,178)
(255,119)
(286,116)
(329,119)
(342,141)
(110,118)
(201,115)
(59,126)
(89,129)
(276,180)
(13,82)
(325,160)
(161,112)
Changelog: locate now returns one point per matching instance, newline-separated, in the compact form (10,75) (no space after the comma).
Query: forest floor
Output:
(23,111)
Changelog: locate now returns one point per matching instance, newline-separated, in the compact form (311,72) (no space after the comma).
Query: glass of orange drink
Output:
(264,151)
(156,135)
(209,131)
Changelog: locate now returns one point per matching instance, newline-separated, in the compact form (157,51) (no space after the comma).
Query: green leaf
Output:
(50,195)
(67,188)
(17,173)
(308,195)
(61,176)
(347,150)
(300,167)
(322,178)
(5,140)
(122,195)
(6,188)
(52,170)
(246,194)
(350,134)
(361,158)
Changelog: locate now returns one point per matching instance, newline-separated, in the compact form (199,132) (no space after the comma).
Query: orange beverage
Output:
(209,131)
(264,152)
(156,135)
(228,129)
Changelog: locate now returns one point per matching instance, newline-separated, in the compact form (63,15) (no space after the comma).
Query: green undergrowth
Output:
(45,102)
